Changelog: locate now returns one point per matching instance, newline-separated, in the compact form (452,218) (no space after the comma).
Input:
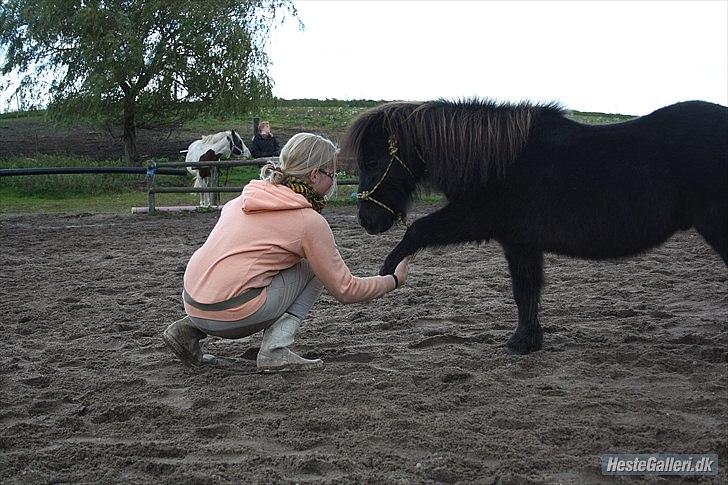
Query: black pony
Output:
(536,181)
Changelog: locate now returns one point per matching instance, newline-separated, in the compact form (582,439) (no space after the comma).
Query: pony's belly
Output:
(591,221)
(603,241)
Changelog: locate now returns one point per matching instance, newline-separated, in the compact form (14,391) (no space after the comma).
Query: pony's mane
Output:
(464,141)
(212,139)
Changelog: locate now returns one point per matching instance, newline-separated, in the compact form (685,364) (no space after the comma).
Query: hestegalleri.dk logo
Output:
(659,464)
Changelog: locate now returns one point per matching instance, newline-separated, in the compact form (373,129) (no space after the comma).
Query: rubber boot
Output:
(275,356)
(184,340)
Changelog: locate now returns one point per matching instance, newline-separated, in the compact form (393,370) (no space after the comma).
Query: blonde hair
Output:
(304,153)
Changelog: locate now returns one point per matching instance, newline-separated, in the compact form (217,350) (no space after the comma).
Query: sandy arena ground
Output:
(417,386)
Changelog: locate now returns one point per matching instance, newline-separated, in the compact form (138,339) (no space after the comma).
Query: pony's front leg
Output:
(448,225)
(407,246)
(526,267)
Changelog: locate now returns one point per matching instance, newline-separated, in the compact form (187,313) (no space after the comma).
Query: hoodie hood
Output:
(262,196)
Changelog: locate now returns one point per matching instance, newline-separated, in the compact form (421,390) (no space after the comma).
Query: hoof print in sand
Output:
(439,340)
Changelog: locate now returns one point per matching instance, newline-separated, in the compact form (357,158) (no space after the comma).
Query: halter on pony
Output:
(367,194)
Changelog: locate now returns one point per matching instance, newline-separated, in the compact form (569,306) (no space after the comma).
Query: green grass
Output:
(121,202)
(288,117)
(24,116)
(238,176)
(61,185)
(598,118)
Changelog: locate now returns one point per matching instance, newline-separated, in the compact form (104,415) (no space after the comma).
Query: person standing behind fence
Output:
(266,261)
(264,144)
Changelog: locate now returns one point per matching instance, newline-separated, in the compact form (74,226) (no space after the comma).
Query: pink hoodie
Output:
(265,230)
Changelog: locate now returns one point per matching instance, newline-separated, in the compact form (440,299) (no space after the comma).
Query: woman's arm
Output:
(325,260)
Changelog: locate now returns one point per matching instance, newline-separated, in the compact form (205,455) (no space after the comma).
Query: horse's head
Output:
(237,147)
(387,174)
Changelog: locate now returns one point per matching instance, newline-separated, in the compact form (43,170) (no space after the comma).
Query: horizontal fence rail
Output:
(10,172)
(184,190)
(218,163)
(213,190)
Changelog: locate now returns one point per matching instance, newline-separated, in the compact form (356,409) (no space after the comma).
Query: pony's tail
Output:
(272,172)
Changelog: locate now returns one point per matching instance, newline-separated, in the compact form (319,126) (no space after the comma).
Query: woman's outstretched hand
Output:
(401,271)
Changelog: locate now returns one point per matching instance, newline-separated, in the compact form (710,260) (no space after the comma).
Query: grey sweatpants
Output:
(293,290)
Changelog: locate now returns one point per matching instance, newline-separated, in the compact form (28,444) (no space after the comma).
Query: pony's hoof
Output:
(522,346)
(385,271)
(389,265)
(518,351)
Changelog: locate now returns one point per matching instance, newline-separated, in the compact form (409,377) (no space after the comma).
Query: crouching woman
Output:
(267,260)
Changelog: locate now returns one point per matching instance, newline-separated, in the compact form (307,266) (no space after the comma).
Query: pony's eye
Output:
(371,164)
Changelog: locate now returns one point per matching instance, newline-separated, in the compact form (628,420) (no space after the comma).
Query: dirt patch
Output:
(417,386)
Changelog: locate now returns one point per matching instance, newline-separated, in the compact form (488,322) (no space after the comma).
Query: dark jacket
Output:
(264,146)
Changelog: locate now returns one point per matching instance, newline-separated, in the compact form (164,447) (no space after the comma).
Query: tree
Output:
(135,62)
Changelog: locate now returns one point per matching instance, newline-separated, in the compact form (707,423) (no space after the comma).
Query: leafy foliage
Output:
(143,61)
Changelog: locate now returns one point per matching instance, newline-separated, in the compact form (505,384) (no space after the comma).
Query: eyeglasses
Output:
(330,175)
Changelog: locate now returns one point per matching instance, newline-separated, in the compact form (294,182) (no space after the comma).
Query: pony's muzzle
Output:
(375,224)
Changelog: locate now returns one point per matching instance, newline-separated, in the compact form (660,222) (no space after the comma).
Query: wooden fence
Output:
(154,167)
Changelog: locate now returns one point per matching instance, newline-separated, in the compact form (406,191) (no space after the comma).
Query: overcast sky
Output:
(612,56)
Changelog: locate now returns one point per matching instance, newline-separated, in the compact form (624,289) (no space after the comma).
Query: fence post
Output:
(151,173)
(255,126)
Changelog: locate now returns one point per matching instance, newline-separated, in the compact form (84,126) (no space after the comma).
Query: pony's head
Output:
(388,171)
(461,147)
(237,147)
